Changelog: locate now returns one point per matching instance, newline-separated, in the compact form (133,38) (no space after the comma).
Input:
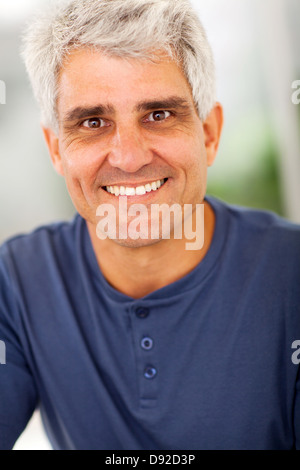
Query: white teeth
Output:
(130,191)
(139,191)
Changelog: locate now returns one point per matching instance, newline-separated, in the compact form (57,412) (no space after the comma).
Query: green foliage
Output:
(259,188)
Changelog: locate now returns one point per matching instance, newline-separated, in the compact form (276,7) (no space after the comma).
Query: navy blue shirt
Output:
(203,363)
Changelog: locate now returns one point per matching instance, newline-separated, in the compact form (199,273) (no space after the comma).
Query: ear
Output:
(53,147)
(212,128)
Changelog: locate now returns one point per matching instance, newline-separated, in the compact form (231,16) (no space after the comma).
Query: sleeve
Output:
(18,396)
(297,413)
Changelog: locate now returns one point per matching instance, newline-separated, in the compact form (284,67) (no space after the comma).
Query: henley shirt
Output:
(206,362)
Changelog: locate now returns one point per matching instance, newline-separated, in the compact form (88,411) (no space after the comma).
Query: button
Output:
(147,343)
(142,312)
(150,372)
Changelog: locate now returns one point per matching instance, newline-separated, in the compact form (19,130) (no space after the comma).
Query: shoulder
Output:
(259,237)
(36,267)
(39,245)
(256,222)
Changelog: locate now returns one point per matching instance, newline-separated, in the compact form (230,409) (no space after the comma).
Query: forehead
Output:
(90,76)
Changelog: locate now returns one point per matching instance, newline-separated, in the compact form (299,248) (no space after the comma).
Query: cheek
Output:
(189,156)
(179,151)
(81,161)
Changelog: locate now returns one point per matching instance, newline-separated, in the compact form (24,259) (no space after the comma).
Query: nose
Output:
(129,150)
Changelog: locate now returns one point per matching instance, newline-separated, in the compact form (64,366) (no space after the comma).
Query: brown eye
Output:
(94,123)
(159,116)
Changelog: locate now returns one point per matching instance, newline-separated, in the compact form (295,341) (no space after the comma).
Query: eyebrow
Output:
(81,112)
(173,102)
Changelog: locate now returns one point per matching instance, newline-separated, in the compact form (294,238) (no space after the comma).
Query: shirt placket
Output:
(145,344)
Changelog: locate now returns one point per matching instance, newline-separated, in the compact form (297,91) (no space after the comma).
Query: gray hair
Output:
(123,28)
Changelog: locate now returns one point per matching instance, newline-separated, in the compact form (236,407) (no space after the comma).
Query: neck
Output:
(136,272)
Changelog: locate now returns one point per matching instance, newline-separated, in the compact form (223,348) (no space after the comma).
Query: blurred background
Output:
(256,47)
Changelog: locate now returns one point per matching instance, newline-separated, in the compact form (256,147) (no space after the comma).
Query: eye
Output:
(157,116)
(94,123)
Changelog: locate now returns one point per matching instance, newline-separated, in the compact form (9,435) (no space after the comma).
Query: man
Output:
(124,334)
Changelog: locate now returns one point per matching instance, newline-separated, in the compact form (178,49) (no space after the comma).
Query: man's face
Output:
(128,123)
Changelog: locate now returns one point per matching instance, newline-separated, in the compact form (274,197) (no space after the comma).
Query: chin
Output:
(140,243)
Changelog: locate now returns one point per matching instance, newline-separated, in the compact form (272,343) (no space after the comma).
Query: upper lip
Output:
(133,185)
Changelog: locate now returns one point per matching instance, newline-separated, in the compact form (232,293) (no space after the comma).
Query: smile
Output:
(135,191)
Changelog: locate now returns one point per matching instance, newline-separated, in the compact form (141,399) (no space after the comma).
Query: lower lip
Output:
(138,197)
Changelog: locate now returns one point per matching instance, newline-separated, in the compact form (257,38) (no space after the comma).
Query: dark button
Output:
(147,343)
(142,312)
(150,372)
